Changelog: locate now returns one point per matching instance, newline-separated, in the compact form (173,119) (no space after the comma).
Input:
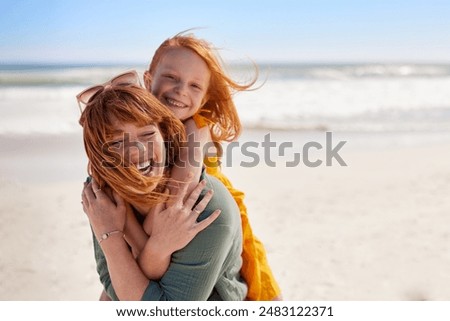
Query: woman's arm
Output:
(174,228)
(212,260)
(105,217)
(134,234)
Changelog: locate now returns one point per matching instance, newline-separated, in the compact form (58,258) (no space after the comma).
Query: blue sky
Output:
(266,31)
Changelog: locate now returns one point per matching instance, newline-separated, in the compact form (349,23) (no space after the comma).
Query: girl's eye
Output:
(197,86)
(171,77)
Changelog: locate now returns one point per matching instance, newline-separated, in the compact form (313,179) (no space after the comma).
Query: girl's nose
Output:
(181,88)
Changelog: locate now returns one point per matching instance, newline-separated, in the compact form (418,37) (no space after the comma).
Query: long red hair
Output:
(135,105)
(219,108)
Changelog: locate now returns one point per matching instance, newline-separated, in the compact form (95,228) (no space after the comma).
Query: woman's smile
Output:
(145,168)
(143,147)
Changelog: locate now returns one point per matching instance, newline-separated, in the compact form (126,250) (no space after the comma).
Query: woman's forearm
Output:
(134,233)
(153,262)
(127,278)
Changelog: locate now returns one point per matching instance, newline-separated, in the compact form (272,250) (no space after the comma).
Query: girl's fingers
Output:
(195,194)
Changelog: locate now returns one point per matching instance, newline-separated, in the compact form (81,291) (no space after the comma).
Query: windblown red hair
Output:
(218,107)
(135,105)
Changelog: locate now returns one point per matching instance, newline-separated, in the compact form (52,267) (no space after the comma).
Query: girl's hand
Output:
(172,228)
(105,215)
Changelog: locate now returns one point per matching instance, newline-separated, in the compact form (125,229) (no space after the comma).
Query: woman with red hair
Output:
(132,142)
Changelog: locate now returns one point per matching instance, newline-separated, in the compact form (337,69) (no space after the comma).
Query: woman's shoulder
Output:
(222,200)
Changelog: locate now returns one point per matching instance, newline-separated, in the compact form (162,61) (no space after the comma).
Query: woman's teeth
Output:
(145,168)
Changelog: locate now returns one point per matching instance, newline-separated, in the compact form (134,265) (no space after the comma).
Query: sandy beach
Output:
(377,229)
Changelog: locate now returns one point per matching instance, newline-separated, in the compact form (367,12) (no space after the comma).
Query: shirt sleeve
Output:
(102,270)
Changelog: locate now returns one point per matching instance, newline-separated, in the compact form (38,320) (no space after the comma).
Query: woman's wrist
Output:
(113,243)
(105,236)
(154,261)
(155,252)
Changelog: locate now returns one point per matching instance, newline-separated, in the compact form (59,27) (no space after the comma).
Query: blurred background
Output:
(375,73)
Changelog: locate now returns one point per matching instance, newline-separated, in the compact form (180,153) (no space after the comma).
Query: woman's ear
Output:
(148,81)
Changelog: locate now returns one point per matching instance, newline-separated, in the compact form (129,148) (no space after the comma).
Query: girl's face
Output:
(181,81)
(142,147)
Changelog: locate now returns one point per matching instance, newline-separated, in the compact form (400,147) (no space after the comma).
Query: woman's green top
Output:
(208,267)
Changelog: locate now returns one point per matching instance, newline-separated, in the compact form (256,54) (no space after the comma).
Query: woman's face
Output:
(181,81)
(142,147)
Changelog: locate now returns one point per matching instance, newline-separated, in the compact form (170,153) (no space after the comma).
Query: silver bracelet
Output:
(104,236)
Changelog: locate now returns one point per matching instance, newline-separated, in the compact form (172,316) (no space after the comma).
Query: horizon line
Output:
(230,63)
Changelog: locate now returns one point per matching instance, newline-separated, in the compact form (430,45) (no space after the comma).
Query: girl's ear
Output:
(148,81)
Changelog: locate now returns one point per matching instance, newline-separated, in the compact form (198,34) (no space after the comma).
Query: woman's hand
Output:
(105,215)
(172,228)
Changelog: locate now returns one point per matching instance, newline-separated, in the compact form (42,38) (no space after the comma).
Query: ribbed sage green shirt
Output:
(208,267)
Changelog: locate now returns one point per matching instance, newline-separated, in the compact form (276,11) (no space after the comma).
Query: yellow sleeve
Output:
(200,121)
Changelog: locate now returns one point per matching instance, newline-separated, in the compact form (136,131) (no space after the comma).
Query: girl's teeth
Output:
(175,103)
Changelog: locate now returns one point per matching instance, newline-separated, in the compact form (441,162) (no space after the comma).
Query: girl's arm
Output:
(192,155)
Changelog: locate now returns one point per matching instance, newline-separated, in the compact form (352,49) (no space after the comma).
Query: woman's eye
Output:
(197,86)
(149,134)
(171,77)
(116,144)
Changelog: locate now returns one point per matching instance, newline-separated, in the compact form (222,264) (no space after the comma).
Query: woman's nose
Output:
(135,151)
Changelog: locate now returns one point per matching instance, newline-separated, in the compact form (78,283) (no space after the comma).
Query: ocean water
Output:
(345,98)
